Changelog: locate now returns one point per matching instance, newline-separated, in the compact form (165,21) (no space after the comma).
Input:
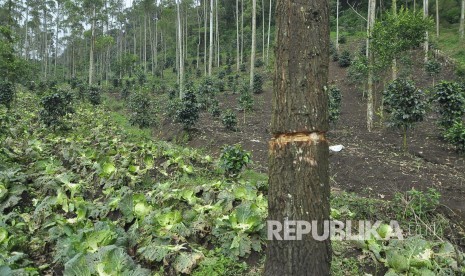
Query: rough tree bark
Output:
(298,160)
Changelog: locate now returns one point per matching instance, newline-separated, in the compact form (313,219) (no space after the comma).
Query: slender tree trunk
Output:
(45,43)
(426,44)
(199,21)
(145,43)
(210,52)
(269,34)
(217,35)
(242,31)
(298,175)
(181,54)
(437,18)
(394,61)
(254,46)
(91,55)
(205,18)
(263,30)
(238,57)
(370,56)
(26,41)
(337,26)
(462,20)
(56,37)
(156,45)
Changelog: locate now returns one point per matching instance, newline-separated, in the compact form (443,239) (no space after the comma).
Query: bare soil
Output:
(372,164)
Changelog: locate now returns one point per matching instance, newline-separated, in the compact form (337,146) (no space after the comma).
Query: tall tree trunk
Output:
(426,44)
(205,18)
(462,20)
(91,55)
(394,61)
(238,57)
(145,43)
(242,31)
(56,37)
(437,18)
(337,26)
(269,33)
(45,43)
(26,41)
(298,175)
(181,54)
(263,30)
(217,35)
(370,56)
(210,52)
(199,21)
(254,42)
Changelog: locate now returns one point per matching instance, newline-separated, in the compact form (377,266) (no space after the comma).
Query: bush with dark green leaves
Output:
(55,106)
(7,93)
(188,112)
(259,63)
(432,67)
(342,39)
(116,83)
(206,92)
(243,67)
(344,59)
(405,105)
(334,102)
(455,135)
(140,109)
(229,120)
(74,82)
(220,85)
(245,99)
(257,83)
(214,108)
(94,95)
(233,159)
(450,98)
(358,71)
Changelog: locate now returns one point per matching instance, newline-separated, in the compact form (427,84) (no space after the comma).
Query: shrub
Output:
(116,83)
(257,83)
(233,159)
(335,57)
(358,71)
(94,95)
(334,103)
(344,59)
(221,74)
(74,82)
(32,86)
(451,102)
(214,109)
(206,92)
(188,113)
(405,104)
(55,106)
(259,63)
(229,120)
(140,110)
(432,67)
(245,99)
(456,136)
(220,85)
(243,67)
(342,39)
(125,92)
(7,93)
(418,203)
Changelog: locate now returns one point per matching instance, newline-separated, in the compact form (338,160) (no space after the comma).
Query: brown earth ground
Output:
(372,164)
